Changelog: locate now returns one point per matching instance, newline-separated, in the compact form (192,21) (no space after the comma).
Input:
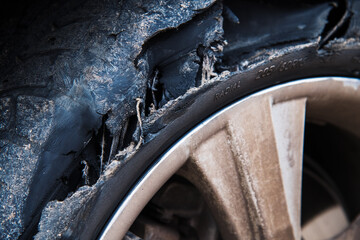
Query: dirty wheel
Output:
(180,120)
(240,173)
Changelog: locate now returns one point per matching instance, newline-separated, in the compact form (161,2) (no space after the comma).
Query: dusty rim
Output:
(247,159)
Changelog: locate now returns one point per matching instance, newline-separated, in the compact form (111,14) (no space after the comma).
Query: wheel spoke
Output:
(250,170)
(288,121)
(213,170)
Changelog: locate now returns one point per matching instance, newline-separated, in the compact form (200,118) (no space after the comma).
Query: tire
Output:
(90,97)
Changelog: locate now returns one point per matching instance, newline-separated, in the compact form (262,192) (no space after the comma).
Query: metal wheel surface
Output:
(247,162)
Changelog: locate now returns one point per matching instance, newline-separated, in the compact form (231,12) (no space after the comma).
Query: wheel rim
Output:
(247,159)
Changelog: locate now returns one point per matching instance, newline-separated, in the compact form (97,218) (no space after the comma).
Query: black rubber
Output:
(80,112)
(180,119)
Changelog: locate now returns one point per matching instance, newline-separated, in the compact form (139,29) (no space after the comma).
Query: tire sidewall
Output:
(301,61)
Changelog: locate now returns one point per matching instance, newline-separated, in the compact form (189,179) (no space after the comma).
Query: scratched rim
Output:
(249,140)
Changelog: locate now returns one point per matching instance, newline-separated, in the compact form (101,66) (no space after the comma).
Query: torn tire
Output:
(93,93)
